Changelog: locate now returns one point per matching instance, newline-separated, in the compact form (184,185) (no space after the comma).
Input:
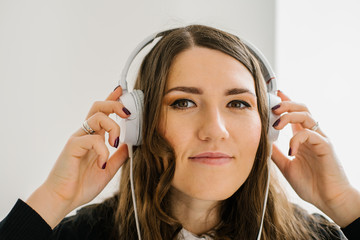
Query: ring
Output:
(315,127)
(85,126)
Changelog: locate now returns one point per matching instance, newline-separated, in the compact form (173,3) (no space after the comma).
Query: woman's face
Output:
(210,118)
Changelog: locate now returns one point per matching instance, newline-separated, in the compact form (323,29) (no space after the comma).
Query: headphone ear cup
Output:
(273,134)
(131,127)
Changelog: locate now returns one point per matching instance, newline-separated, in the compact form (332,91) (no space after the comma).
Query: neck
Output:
(196,216)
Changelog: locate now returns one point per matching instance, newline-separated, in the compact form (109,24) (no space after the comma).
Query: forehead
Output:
(204,67)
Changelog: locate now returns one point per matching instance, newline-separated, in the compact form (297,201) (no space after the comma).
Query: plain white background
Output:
(317,63)
(58,57)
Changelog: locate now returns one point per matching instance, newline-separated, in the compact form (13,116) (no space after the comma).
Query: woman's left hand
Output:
(314,172)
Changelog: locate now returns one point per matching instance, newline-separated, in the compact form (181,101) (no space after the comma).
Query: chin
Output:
(215,194)
(209,192)
(212,184)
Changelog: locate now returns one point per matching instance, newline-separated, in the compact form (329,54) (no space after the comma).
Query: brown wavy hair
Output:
(154,159)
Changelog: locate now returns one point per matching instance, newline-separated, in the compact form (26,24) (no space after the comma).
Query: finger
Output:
(99,121)
(114,95)
(285,119)
(318,142)
(289,106)
(283,96)
(299,121)
(108,107)
(79,146)
(302,118)
(279,159)
(117,159)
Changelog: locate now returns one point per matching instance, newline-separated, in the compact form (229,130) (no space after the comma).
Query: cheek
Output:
(216,183)
(247,135)
(178,132)
(247,142)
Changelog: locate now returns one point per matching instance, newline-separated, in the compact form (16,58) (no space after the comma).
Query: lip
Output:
(211,158)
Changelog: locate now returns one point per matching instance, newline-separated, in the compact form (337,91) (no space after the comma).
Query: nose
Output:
(212,126)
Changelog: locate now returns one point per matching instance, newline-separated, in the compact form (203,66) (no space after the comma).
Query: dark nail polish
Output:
(116,88)
(126,111)
(276,122)
(275,107)
(104,166)
(289,152)
(116,144)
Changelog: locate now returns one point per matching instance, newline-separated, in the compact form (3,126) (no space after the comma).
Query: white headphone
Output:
(131,128)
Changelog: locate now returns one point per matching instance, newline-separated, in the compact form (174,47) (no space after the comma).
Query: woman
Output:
(201,170)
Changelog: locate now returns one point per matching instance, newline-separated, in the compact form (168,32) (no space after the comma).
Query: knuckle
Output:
(99,115)
(115,126)
(71,141)
(72,144)
(307,114)
(98,118)
(98,138)
(96,104)
(285,117)
(303,133)
(285,104)
(294,140)
(103,150)
(302,116)
(306,131)
(304,106)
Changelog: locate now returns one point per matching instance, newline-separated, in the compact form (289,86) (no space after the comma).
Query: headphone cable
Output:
(130,149)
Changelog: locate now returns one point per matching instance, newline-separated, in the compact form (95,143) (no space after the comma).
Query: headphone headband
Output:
(268,73)
(134,53)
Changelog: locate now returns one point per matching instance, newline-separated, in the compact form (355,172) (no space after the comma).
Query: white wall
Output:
(317,59)
(58,57)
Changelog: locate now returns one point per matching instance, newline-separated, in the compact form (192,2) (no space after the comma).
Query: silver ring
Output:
(85,126)
(315,127)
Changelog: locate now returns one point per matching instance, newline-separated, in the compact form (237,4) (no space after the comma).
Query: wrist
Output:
(346,210)
(50,207)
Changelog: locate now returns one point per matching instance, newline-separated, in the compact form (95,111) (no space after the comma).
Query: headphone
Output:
(131,128)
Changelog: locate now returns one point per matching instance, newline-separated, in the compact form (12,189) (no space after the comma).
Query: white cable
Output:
(266,196)
(134,199)
(130,148)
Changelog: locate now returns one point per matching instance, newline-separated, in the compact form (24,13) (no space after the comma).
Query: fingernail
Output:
(126,111)
(116,144)
(289,152)
(116,88)
(276,122)
(275,107)
(104,166)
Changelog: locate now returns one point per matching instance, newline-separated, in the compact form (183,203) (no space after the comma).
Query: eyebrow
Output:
(194,90)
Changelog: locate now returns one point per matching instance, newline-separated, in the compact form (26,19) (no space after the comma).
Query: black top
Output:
(24,223)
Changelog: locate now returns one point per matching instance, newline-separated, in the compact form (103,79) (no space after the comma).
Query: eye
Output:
(182,104)
(238,104)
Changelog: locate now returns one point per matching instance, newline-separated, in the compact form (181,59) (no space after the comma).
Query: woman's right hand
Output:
(83,168)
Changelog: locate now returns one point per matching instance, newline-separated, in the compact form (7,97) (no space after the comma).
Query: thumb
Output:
(117,159)
(279,159)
